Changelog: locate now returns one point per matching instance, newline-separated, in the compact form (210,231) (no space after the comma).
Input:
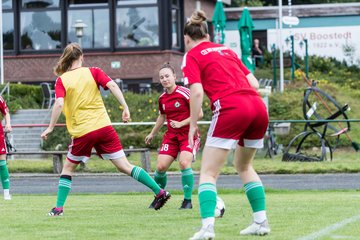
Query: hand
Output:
(8,128)
(175,124)
(193,131)
(126,115)
(45,134)
(149,138)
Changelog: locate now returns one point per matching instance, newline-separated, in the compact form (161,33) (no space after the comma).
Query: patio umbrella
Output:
(219,22)
(245,28)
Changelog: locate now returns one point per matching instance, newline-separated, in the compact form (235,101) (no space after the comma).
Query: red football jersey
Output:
(176,106)
(3,109)
(216,67)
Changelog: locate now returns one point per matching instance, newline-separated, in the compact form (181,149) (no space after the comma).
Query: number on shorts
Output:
(165,147)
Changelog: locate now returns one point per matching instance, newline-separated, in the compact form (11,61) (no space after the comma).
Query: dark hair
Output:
(196,27)
(72,52)
(169,66)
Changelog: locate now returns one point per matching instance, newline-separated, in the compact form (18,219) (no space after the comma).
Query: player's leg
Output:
(167,154)
(160,176)
(187,178)
(254,191)
(4,175)
(109,147)
(244,155)
(163,163)
(227,125)
(79,151)
(64,187)
(212,161)
(139,174)
(187,156)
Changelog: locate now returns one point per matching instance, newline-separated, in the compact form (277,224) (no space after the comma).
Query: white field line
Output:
(331,228)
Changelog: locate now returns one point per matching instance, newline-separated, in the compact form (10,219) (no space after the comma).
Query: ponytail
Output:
(72,52)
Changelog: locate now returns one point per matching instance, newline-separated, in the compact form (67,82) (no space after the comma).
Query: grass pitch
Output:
(293,215)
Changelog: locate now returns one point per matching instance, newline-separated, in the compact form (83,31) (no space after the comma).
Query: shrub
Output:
(23,97)
(143,108)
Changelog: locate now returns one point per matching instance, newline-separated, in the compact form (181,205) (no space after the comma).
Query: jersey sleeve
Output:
(60,91)
(191,70)
(3,107)
(243,68)
(161,110)
(100,77)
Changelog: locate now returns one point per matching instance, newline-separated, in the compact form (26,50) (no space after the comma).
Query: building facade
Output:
(128,39)
(331,30)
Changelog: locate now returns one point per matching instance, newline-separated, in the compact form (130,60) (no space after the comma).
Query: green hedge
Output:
(335,78)
(143,108)
(23,97)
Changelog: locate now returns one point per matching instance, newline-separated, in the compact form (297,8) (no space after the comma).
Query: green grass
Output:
(345,160)
(292,214)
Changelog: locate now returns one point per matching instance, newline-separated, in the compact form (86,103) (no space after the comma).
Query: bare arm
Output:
(55,114)
(7,122)
(115,90)
(159,123)
(176,124)
(196,99)
(253,81)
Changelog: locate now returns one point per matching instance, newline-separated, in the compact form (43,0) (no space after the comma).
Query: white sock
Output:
(6,192)
(208,221)
(260,216)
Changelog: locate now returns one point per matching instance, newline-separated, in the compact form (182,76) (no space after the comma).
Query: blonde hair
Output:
(196,27)
(72,52)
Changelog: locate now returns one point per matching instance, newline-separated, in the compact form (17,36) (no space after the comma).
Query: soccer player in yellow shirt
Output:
(78,97)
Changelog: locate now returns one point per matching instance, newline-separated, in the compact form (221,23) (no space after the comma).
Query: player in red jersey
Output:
(78,96)
(174,107)
(239,121)
(4,172)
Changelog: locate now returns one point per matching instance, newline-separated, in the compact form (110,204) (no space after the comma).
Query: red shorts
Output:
(241,119)
(173,143)
(105,141)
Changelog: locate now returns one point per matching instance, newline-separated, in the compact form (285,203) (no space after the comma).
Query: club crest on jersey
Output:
(177,104)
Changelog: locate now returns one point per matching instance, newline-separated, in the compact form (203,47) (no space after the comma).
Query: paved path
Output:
(109,183)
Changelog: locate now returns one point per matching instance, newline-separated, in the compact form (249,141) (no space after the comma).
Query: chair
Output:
(48,95)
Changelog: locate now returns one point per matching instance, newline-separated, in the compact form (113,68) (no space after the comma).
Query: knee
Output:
(243,167)
(160,167)
(184,164)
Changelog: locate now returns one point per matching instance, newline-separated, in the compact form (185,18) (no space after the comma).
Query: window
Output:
(88,3)
(40,4)
(7,25)
(6,4)
(40,25)
(8,31)
(97,30)
(131,2)
(40,30)
(137,26)
(175,23)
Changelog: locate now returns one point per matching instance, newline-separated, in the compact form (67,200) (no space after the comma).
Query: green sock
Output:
(160,178)
(256,195)
(4,174)
(207,200)
(140,175)
(187,179)
(63,190)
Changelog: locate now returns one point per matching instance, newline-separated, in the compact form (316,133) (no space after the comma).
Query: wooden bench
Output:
(58,157)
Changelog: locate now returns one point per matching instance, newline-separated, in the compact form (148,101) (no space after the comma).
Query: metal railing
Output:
(7,89)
